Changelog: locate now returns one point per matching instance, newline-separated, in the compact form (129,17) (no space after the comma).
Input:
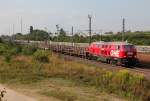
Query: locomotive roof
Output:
(112,43)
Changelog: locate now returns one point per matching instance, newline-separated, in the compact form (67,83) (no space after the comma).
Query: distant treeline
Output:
(137,38)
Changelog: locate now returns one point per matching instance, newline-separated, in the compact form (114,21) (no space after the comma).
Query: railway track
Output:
(110,67)
(141,68)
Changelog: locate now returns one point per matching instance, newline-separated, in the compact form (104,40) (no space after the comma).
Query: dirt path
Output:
(12,95)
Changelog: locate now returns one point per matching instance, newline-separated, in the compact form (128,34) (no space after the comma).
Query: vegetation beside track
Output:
(136,38)
(26,69)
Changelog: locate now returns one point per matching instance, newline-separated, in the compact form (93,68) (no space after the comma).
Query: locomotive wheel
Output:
(108,61)
(90,57)
(113,62)
(118,62)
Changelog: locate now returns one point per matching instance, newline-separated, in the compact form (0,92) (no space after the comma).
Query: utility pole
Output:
(13,29)
(101,35)
(72,32)
(13,38)
(57,27)
(10,33)
(90,28)
(123,29)
(21,25)
(46,38)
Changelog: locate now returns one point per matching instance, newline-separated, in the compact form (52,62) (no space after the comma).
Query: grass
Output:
(62,95)
(25,70)
(64,89)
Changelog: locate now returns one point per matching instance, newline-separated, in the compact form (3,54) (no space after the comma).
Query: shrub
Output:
(7,57)
(6,48)
(41,56)
(123,82)
(60,94)
(18,49)
(1,40)
(29,50)
(2,49)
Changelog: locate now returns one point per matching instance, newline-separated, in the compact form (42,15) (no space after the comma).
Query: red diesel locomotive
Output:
(120,53)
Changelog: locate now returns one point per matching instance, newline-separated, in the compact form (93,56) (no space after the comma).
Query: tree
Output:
(62,33)
(76,38)
(38,35)
(50,35)
(18,36)
(31,29)
(109,33)
(0,40)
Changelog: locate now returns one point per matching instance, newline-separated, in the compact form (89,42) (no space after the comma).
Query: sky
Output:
(107,15)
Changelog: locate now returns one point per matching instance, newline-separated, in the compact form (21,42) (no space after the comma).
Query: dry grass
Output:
(24,70)
(58,89)
(144,58)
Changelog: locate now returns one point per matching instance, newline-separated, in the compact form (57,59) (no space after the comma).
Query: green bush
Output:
(125,83)
(18,49)
(11,49)
(1,40)
(41,56)
(7,57)
(29,50)
(2,49)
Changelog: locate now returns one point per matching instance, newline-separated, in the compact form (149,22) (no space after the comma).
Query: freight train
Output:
(119,53)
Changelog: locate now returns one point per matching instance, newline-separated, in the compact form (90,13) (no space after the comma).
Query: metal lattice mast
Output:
(123,29)
(90,28)
(57,27)
(72,32)
(21,25)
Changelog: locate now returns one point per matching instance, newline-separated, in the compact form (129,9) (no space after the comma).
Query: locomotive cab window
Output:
(129,47)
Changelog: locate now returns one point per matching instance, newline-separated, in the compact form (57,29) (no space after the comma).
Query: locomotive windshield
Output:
(129,47)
